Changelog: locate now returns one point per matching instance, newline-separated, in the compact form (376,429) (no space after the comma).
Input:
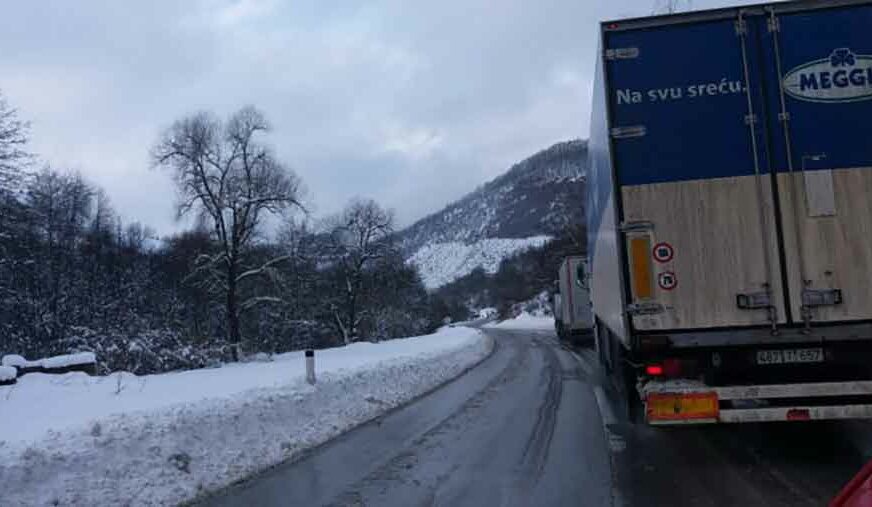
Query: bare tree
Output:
(671,6)
(359,237)
(13,137)
(13,159)
(233,182)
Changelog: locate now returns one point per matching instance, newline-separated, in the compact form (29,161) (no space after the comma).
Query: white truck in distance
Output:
(572,314)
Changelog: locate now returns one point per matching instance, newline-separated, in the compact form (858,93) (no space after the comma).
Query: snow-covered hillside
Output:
(164,439)
(533,199)
(442,263)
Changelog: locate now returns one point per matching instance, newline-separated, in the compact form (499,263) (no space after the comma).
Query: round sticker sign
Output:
(663,252)
(667,280)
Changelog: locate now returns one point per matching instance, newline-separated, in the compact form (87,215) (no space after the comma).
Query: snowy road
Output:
(520,429)
(533,425)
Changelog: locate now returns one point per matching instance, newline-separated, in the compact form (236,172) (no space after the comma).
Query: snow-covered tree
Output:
(671,6)
(228,177)
(14,134)
(359,237)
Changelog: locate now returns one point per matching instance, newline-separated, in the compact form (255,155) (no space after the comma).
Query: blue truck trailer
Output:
(730,212)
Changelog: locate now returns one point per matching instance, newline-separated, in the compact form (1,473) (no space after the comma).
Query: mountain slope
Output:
(534,199)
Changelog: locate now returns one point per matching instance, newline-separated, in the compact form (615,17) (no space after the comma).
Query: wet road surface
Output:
(534,424)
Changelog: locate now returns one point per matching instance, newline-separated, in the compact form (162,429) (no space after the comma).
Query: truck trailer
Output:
(730,212)
(571,301)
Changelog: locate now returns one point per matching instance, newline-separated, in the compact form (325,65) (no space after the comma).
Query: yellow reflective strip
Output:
(686,406)
(640,262)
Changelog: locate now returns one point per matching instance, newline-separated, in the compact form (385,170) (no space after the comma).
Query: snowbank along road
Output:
(534,424)
(163,439)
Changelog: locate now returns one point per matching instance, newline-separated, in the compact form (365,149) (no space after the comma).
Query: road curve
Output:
(522,428)
(534,424)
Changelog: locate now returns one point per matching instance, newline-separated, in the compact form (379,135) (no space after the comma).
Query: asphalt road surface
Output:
(534,424)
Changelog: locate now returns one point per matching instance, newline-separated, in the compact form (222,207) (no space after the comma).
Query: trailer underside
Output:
(678,402)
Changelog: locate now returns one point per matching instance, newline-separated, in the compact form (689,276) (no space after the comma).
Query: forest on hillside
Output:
(518,283)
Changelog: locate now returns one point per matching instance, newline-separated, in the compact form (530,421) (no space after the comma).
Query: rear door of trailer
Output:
(822,151)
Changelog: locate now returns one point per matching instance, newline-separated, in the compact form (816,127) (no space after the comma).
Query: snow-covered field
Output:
(163,439)
(525,321)
(442,263)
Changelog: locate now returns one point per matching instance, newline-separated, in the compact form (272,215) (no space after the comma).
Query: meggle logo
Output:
(843,77)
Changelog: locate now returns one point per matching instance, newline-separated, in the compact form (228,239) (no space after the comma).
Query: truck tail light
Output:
(641,267)
(671,368)
(655,370)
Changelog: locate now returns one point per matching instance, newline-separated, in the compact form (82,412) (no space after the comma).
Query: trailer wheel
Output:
(624,377)
(632,401)
(600,339)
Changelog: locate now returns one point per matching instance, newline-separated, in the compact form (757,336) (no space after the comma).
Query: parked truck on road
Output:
(571,302)
(730,212)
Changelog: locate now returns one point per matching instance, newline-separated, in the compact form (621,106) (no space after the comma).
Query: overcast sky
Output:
(412,103)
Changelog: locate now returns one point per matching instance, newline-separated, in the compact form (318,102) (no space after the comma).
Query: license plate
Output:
(791,356)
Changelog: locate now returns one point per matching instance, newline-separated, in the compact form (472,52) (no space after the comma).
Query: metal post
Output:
(310,366)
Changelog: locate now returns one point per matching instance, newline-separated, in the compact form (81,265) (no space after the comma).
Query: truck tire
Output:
(624,376)
(600,338)
(632,402)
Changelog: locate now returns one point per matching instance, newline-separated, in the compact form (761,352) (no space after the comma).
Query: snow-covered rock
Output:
(165,439)
(69,360)
(54,362)
(442,263)
(7,373)
(14,360)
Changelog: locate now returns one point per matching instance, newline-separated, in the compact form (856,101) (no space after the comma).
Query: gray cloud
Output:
(411,103)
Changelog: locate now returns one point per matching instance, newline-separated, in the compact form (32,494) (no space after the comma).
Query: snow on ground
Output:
(163,439)
(525,321)
(442,263)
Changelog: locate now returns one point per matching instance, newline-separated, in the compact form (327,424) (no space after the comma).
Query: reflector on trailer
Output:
(798,414)
(681,407)
(640,260)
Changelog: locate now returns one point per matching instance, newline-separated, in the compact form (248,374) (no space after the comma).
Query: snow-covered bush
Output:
(147,352)
(538,306)
(278,336)
(392,322)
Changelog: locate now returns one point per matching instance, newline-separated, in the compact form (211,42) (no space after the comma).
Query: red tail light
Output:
(655,370)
